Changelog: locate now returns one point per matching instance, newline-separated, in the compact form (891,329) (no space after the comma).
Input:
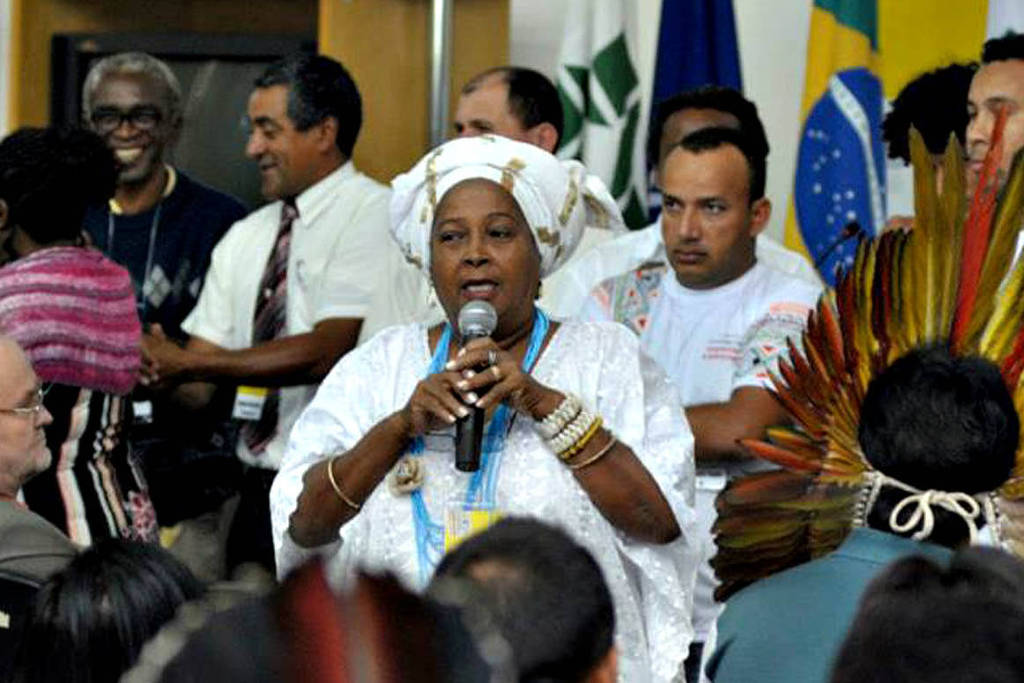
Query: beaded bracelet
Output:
(556,421)
(597,456)
(573,432)
(337,489)
(582,442)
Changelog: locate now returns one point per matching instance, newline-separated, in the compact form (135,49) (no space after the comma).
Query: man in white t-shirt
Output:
(674,119)
(514,102)
(289,285)
(714,316)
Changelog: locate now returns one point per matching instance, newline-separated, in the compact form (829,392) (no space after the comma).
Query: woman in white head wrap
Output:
(582,430)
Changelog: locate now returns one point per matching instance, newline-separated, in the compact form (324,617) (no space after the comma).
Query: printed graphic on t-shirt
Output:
(765,342)
(725,348)
(628,298)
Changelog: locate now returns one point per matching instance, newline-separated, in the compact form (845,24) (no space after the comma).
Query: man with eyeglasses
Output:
(162,226)
(29,545)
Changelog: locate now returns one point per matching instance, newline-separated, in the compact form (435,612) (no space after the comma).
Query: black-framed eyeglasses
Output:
(109,119)
(32,409)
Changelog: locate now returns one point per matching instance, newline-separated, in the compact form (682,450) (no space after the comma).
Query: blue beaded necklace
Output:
(482,485)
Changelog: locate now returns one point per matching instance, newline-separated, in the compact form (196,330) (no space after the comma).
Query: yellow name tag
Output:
(462,521)
(249,403)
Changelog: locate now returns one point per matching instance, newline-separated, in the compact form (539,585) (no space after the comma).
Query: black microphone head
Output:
(477,319)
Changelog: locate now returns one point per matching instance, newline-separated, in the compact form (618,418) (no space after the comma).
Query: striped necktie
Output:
(269,324)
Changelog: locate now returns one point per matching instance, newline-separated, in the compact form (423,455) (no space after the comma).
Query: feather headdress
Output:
(947,281)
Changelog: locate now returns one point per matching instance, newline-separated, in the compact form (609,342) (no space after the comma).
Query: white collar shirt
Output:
(336,246)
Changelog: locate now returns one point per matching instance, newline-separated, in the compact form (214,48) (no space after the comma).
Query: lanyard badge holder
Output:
(477,509)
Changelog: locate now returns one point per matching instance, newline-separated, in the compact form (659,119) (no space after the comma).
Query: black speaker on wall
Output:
(216,74)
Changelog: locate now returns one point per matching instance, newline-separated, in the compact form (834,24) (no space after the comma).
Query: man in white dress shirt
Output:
(712,314)
(289,285)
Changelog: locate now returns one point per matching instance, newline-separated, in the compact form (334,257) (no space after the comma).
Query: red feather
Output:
(1013,364)
(780,456)
(976,233)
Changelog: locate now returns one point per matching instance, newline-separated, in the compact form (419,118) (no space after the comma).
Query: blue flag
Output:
(696,46)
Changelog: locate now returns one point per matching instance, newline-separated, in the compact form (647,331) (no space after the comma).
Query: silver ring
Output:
(492,357)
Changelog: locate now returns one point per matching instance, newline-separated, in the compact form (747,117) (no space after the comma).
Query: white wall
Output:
(773,52)
(773,55)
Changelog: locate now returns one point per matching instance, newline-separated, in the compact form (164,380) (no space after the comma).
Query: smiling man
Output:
(712,314)
(290,284)
(161,224)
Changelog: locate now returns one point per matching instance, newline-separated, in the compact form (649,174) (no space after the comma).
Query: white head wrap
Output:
(557,197)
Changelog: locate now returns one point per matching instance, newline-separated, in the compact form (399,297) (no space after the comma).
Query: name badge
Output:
(462,520)
(249,403)
(143,411)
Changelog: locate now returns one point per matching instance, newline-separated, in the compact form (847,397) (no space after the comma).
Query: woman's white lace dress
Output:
(599,362)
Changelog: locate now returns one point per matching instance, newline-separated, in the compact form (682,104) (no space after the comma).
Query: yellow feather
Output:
(953,202)
(1005,229)
(999,334)
(926,218)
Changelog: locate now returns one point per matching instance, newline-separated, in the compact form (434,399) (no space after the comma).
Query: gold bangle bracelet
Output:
(582,442)
(337,489)
(597,456)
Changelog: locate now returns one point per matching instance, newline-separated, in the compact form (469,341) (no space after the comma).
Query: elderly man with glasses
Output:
(30,546)
(162,226)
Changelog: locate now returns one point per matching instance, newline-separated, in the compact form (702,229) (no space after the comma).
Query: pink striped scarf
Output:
(73,311)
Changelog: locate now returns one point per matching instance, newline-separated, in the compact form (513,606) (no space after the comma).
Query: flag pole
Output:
(440,68)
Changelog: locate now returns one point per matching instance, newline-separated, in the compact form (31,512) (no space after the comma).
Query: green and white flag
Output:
(601,98)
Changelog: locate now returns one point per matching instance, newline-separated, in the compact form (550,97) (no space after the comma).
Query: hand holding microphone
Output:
(481,376)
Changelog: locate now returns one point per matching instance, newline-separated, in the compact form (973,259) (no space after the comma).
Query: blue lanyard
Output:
(483,483)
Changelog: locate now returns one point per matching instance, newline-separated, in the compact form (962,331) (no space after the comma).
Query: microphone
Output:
(850,230)
(476,319)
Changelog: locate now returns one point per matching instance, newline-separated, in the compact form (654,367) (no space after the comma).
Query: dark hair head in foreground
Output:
(920,622)
(937,421)
(375,632)
(90,621)
(545,593)
(49,176)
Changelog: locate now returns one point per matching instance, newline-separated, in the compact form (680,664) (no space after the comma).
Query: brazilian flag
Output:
(839,189)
